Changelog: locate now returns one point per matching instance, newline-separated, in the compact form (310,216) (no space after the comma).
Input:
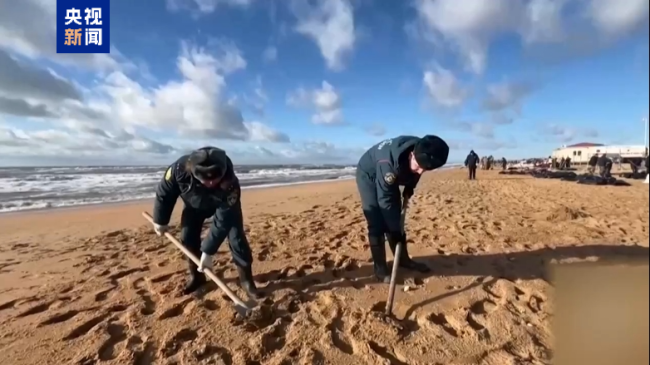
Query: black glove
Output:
(407,193)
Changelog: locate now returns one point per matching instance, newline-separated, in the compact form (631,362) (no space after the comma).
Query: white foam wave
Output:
(61,187)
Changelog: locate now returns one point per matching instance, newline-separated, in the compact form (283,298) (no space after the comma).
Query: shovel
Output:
(398,253)
(240,307)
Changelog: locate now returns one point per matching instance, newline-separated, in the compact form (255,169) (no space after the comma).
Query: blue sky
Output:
(300,81)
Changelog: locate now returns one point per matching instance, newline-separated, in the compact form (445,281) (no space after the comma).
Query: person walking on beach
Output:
(206,182)
(504,163)
(380,172)
(471,163)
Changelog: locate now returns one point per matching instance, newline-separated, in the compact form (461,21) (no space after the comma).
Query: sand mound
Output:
(566,214)
(115,298)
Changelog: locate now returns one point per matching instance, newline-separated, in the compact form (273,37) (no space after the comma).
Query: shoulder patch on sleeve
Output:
(389,178)
(168,174)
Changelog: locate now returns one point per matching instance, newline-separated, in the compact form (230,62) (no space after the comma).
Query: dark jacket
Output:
(223,202)
(593,161)
(602,161)
(472,159)
(387,164)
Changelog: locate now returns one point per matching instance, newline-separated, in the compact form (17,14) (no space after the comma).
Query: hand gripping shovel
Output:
(398,253)
(240,307)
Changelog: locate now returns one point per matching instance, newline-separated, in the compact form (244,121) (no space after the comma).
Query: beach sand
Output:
(95,285)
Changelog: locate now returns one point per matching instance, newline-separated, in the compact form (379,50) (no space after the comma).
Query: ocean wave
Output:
(56,187)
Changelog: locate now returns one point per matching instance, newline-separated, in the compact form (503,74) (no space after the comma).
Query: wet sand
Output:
(94,285)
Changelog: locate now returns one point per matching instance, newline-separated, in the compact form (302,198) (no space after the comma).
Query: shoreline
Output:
(142,200)
(93,219)
(42,210)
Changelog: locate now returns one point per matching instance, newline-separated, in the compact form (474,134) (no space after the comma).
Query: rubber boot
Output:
(248,284)
(405,260)
(378,252)
(196,281)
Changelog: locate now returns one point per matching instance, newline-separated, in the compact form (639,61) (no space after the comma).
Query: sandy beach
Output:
(95,285)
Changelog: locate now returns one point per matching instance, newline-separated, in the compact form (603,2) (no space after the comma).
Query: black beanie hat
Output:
(208,163)
(431,152)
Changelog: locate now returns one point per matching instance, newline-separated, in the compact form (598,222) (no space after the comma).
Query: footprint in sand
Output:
(385,354)
(85,327)
(148,305)
(445,323)
(59,318)
(173,345)
(273,338)
(42,307)
(117,334)
(217,355)
(176,309)
(103,294)
(123,273)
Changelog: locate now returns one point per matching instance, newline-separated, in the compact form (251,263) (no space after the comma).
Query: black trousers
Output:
(472,172)
(192,226)
(370,205)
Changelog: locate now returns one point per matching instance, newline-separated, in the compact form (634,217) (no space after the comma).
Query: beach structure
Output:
(580,153)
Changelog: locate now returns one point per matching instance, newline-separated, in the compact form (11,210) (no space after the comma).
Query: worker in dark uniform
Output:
(205,180)
(593,161)
(471,163)
(602,164)
(381,171)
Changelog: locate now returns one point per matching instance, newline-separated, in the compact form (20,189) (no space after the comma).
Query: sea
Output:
(29,188)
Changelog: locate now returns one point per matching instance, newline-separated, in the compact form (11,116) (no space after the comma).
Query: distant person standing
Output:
(593,162)
(602,164)
(471,162)
(504,164)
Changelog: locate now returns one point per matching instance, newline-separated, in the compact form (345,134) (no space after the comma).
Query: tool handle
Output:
(393,279)
(207,272)
(398,254)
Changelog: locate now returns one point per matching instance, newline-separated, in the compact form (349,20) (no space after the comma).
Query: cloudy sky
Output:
(282,81)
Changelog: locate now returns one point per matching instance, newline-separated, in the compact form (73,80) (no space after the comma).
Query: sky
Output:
(305,81)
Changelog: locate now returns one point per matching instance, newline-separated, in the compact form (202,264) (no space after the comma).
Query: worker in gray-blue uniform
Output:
(206,182)
(381,171)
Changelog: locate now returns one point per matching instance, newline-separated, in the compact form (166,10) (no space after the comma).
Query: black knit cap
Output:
(431,152)
(208,163)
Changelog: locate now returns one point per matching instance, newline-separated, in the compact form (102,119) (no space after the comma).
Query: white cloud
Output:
(28,27)
(376,130)
(117,114)
(194,105)
(566,134)
(618,18)
(325,101)
(270,54)
(443,88)
(320,152)
(331,25)
(22,80)
(77,143)
(505,100)
(469,27)
(204,6)
(261,132)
